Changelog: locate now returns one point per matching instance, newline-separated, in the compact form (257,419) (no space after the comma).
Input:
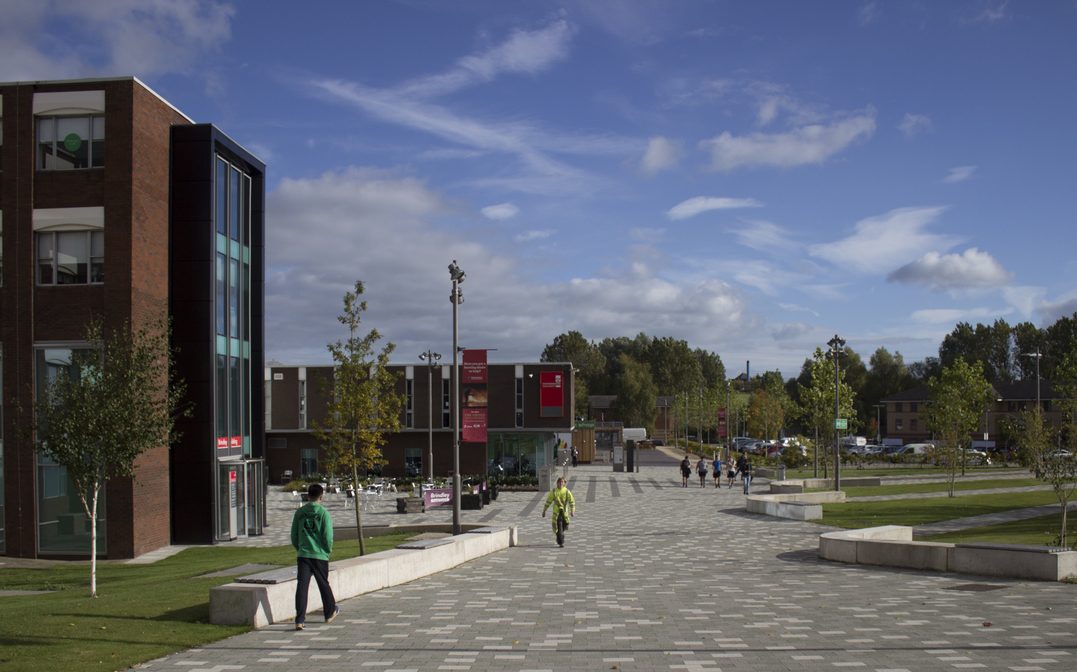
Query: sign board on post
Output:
(474,395)
(841,423)
(721,423)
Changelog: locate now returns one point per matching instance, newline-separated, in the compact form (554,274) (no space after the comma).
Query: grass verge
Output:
(911,488)
(142,612)
(853,515)
(1041,531)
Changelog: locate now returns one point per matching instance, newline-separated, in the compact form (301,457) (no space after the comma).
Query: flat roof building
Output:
(117,207)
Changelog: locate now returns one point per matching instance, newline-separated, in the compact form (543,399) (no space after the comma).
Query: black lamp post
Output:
(836,345)
(457,276)
(431,358)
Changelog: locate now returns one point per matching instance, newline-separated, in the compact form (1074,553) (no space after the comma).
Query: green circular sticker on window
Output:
(72,142)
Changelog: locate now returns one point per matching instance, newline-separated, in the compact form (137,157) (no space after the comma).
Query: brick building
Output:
(116,206)
(528,410)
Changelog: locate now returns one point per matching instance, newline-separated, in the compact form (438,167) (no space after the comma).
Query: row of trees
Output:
(639,370)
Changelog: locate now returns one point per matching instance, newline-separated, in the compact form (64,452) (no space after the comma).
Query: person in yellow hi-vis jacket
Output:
(564,506)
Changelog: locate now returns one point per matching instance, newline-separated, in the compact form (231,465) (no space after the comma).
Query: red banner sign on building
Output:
(551,394)
(473,397)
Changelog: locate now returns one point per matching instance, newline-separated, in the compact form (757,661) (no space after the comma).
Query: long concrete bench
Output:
(269,597)
(893,546)
(797,506)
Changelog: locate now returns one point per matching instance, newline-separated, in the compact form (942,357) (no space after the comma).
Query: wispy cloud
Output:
(944,316)
(764,236)
(970,269)
(524,52)
(500,211)
(811,144)
(992,13)
(884,242)
(700,204)
(868,13)
(116,36)
(537,234)
(959,174)
(662,153)
(913,125)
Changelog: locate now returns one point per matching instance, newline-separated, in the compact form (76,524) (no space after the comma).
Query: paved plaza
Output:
(658,577)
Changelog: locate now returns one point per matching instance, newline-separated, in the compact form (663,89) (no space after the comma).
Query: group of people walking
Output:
(741,466)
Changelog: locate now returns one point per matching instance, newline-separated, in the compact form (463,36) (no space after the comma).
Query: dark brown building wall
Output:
(284,395)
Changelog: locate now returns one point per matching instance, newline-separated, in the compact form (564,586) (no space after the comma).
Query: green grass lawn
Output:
(909,488)
(929,510)
(850,471)
(142,612)
(1042,531)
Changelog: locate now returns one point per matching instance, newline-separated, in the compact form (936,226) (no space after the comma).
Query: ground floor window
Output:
(63,527)
(413,461)
(308,461)
(517,453)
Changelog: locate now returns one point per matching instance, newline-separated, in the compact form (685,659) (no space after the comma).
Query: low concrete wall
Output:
(893,546)
(802,484)
(795,506)
(260,604)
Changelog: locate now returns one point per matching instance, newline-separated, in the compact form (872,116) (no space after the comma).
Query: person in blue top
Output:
(312,538)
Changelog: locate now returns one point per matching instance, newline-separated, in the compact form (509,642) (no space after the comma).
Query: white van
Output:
(635,434)
(916,449)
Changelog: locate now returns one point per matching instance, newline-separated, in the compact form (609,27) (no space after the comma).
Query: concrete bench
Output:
(269,597)
(893,546)
(795,506)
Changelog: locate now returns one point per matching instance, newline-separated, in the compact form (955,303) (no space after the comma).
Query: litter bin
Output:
(781,472)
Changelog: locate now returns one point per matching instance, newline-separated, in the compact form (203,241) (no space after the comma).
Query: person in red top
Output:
(312,538)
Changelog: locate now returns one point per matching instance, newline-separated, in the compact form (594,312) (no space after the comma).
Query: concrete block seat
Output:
(793,505)
(893,546)
(268,597)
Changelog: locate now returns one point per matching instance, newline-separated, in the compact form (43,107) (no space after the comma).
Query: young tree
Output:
(959,398)
(817,399)
(365,405)
(1036,443)
(116,400)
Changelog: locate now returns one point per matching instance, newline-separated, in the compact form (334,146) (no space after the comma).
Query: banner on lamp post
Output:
(473,414)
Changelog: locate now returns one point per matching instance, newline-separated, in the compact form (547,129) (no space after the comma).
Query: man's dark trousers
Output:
(319,569)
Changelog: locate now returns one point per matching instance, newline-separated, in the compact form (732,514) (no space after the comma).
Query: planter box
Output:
(471,502)
(409,505)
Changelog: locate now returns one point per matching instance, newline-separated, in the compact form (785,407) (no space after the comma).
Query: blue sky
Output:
(752,177)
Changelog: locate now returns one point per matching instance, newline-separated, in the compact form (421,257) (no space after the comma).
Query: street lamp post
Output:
(878,424)
(431,358)
(457,276)
(836,344)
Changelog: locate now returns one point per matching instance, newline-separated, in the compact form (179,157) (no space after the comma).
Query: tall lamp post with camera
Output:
(457,275)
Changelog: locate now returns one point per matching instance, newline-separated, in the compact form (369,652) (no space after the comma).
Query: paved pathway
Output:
(658,577)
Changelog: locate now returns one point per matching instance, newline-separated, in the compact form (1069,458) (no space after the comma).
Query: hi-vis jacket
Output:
(563,503)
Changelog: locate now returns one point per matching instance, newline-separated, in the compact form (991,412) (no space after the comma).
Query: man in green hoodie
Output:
(312,538)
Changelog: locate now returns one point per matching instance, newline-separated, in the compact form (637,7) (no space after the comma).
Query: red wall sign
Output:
(551,394)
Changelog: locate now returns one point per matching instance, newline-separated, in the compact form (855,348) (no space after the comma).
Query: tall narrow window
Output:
(409,403)
(519,402)
(233,298)
(222,297)
(446,403)
(233,204)
(221,211)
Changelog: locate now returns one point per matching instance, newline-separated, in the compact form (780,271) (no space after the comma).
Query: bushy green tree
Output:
(817,399)
(958,399)
(117,399)
(636,394)
(365,406)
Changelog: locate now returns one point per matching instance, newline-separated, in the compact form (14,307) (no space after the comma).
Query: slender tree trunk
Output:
(90,508)
(358,506)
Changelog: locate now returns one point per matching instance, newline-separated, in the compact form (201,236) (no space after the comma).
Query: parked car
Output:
(976,456)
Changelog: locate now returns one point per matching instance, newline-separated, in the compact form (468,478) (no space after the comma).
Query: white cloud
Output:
(500,211)
(528,236)
(662,153)
(110,36)
(806,145)
(1026,300)
(700,204)
(913,125)
(868,13)
(1052,311)
(941,272)
(950,316)
(884,242)
(396,234)
(764,236)
(526,52)
(959,174)
(992,13)
(647,235)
